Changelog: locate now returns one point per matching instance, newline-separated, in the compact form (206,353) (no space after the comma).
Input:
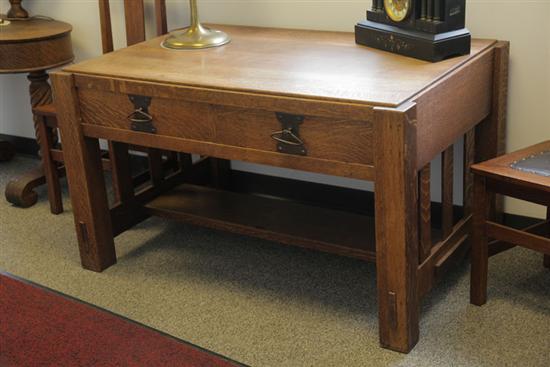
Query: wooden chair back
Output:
(134,16)
(159,160)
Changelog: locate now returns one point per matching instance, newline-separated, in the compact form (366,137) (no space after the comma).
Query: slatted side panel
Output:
(448,228)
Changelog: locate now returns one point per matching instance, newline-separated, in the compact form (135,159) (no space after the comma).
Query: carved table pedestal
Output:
(33,45)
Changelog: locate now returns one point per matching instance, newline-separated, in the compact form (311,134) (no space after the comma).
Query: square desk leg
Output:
(85,174)
(396,213)
(490,134)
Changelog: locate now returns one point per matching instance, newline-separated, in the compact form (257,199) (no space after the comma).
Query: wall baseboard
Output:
(27,146)
(310,192)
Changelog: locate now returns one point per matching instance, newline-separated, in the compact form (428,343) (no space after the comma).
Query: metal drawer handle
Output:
(140,116)
(279,134)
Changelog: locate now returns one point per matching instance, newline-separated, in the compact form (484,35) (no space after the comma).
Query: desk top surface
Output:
(306,64)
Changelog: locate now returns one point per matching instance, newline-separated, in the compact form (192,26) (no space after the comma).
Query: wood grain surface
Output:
(308,64)
(33,30)
(33,45)
(332,139)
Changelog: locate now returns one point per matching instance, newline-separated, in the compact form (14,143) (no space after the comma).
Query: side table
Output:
(33,45)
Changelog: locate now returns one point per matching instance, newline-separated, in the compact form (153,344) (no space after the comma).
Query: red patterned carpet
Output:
(39,327)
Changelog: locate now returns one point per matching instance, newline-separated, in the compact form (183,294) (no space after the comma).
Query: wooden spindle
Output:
(469,159)
(425,220)
(447,192)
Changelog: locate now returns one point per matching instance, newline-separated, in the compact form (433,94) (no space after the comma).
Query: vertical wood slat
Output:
(447,192)
(51,173)
(134,15)
(123,186)
(155,166)
(469,159)
(425,220)
(106,29)
(160,16)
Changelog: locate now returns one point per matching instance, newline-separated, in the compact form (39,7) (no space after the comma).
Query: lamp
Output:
(196,36)
(16,10)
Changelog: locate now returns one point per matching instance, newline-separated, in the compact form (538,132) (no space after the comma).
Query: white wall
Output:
(524,23)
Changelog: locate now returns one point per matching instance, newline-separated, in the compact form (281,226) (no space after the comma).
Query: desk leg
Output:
(396,213)
(86,181)
(490,135)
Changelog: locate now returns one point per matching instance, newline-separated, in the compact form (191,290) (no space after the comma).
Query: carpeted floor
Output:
(268,305)
(41,327)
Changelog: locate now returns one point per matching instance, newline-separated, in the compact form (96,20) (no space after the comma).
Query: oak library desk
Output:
(307,100)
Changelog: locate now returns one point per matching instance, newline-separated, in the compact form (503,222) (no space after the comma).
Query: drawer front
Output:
(332,139)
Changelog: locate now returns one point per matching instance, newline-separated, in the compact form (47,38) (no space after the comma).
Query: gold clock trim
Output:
(393,16)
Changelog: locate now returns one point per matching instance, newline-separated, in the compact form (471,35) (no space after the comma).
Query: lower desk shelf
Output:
(275,219)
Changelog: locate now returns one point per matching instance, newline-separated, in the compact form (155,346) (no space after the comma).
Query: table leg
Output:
(490,135)
(396,213)
(20,190)
(480,249)
(86,181)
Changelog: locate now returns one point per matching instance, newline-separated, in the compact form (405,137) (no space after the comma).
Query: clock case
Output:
(432,31)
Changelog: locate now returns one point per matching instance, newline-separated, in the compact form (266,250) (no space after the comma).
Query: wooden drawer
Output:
(331,139)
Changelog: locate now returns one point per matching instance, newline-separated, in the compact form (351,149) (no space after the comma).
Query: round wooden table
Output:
(33,45)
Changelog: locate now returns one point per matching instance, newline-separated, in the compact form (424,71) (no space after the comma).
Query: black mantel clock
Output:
(430,30)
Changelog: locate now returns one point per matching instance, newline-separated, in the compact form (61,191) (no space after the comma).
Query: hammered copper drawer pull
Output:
(279,136)
(141,119)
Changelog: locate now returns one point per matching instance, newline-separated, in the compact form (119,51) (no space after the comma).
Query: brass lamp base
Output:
(196,38)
